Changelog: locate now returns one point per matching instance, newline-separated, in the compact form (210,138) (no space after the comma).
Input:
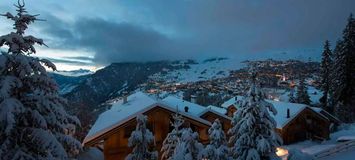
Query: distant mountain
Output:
(75,73)
(68,80)
(67,83)
(111,81)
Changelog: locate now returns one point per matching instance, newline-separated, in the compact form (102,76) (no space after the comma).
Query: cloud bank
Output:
(131,30)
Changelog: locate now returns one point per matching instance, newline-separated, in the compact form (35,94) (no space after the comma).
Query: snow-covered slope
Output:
(200,70)
(66,88)
(67,83)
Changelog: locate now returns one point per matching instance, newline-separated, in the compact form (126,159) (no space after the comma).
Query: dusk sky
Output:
(94,33)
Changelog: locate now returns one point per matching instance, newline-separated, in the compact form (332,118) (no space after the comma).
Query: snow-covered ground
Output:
(91,154)
(314,95)
(313,148)
(347,155)
(67,88)
(204,70)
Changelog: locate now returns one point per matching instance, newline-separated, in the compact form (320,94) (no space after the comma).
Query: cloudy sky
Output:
(94,33)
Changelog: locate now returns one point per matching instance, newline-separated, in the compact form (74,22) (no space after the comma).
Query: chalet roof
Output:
(325,114)
(281,116)
(193,108)
(120,113)
(208,109)
(177,103)
(231,101)
(281,108)
(218,109)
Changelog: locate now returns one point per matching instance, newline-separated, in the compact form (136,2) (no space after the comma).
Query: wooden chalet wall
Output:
(116,145)
(226,123)
(230,110)
(307,125)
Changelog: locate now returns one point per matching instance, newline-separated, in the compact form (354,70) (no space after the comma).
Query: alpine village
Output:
(208,108)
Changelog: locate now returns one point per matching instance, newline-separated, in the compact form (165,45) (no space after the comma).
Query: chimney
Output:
(235,98)
(125,96)
(125,99)
(288,113)
(193,98)
(186,109)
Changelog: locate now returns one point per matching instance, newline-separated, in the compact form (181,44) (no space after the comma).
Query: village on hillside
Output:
(214,109)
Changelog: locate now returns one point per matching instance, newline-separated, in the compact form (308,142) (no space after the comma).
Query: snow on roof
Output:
(119,111)
(317,109)
(231,101)
(218,109)
(281,107)
(281,116)
(324,113)
(194,109)
(137,103)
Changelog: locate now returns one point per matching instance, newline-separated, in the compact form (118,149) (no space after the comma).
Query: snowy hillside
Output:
(111,81)
(200,70)
(67,83)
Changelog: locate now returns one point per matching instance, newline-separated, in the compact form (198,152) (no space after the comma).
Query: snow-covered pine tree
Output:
(302,93)
(291,96)
(33,122)
(344,74)
(326,65)
(140,140)
(333,76)
(253,135)
(217,149)
(188,147)
(171,140)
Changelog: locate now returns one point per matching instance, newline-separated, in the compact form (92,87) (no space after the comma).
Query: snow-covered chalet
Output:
(113,127)
(110,133)
(295,122)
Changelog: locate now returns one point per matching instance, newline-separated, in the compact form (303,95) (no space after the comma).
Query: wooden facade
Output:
(334,122)
(115,142)
(306,125)
(230,110)
(211,117)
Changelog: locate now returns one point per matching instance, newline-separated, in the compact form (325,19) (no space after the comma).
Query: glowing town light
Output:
(281,152)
